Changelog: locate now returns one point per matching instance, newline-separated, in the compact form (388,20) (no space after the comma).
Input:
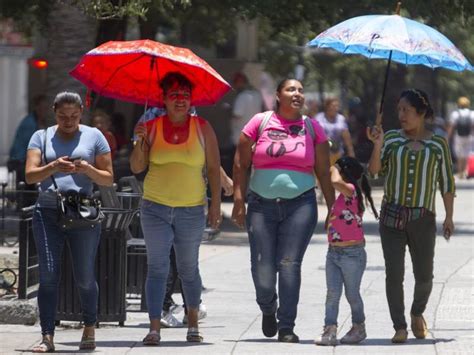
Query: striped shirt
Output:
(412,176)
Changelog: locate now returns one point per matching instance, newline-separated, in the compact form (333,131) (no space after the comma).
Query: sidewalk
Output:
(233,322)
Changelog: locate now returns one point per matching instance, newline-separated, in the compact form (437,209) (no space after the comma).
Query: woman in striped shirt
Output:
(414,162)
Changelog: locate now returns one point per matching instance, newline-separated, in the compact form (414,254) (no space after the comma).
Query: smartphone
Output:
(73,159)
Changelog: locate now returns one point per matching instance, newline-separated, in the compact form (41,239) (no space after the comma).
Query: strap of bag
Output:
(309,127)
(45,160)
(264,123)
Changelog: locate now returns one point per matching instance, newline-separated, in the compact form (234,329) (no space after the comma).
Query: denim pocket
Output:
(252,197)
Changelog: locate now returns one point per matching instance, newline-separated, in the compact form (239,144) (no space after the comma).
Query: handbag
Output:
(75,210)
(78,211)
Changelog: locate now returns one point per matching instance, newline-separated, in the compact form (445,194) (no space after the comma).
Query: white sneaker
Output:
(201,314)
(168,320)
(329,336)
(355,335)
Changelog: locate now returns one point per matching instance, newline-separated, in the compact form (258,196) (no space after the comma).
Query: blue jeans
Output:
(164,226)
(83,242)
(344,266)
(279,233)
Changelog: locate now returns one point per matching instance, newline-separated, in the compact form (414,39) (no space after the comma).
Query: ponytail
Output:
(367,192)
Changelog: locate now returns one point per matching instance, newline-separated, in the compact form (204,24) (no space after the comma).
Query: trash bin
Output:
(111,266)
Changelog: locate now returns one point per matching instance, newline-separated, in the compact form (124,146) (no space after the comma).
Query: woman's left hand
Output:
(81,166)
(326,222)
(214,216)
(448,228)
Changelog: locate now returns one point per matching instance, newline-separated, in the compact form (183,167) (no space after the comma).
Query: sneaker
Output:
(201,314)
(168,320)
(269,325)
(419,327)
(401,336)
(287,336)
(355,335)
(329,336)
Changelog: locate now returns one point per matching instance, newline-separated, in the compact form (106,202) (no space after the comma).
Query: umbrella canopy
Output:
(392,37)
(131,70)
(408,41)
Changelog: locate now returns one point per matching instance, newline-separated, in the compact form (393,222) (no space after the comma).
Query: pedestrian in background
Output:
(336,129)
(285,151)
(101,120)
(75,156)
(346,257)
(460,128)
(28,125)
(247,104)
(173,206)
(415,162)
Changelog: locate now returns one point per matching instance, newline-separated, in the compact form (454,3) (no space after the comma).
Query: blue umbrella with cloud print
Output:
(393,37)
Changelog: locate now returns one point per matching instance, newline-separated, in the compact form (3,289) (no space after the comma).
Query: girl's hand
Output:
(227,185)
(238,214)
(448,228)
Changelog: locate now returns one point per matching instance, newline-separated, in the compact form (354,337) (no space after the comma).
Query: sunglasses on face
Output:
(179,95)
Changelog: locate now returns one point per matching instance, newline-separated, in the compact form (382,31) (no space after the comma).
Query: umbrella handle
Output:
(378,120)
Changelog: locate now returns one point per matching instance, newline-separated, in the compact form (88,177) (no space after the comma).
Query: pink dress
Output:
(345,221)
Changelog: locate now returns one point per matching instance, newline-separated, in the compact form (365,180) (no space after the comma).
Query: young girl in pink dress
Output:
(346,257)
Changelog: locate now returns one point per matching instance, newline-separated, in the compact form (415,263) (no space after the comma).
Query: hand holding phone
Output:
(73,159)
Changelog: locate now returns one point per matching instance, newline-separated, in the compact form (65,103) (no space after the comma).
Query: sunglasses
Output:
(296,130)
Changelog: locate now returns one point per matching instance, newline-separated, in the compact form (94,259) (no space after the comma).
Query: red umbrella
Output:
(130,71)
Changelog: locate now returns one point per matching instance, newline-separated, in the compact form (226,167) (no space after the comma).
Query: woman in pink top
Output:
(346,257)
(286,151)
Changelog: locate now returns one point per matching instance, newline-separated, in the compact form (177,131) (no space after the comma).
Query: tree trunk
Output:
(70,35)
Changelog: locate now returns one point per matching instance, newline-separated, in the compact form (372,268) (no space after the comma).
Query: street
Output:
(233,324)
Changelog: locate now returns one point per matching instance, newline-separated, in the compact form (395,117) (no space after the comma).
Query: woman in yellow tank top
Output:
(178,149)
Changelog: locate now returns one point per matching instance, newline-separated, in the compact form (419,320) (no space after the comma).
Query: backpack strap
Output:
(309,127)
(263,124)
(202,141)
(199,132)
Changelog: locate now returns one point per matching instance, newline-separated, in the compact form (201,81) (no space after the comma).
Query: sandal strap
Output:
(194,335)
(48,345)
(152,338)
(87,342)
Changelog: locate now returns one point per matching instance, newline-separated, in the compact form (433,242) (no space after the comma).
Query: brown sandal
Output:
(87,342)
(46,346)
(152,339)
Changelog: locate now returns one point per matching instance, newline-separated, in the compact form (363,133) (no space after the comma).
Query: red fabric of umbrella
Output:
(130,71)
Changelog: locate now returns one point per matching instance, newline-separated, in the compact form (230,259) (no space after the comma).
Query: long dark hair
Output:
(420,101)
(352,171)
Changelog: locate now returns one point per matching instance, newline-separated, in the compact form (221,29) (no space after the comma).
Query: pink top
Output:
(345,223)
(283,143)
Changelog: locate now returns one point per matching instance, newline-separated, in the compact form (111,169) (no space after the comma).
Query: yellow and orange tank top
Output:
(175,171)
